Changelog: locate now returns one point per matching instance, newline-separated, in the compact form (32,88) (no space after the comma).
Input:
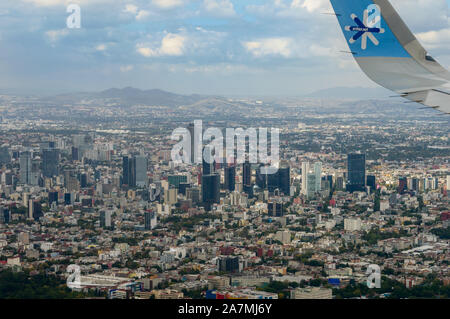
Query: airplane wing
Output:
(389,53)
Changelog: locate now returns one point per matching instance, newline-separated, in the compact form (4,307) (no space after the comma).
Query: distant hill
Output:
(351,93)
(130,96)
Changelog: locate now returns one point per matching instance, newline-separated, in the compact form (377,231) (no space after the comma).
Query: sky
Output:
(224,47)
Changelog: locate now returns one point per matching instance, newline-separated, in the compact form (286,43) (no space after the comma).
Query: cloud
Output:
(423,15)
(134,10)
(310,5)
(281,38)
(269,46)
(131,8)
(101,47)
(49,3)
(318,50)
(435,39)
(46,3)
(142,15)
(126,68)
(223,8)
(54,35)
(167,4)
(171,45)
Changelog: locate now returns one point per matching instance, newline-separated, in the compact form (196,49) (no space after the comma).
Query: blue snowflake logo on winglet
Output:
(370,25)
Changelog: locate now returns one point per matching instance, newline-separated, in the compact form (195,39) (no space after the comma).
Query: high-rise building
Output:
(228,264)
(311,185)
(280,180)
(371,182)
(247,173)
(230,177)
(193,194)
(305,172)
(275,209)
(150,220)
(74,154)
(330,181)
(191,129)
(402,185)
(208,164)
(106,218)
(210,190)
(35,175)
(69,198)
(415,184)
(182,187)
(132,172)
(81,143)
(25,167)
(52,198)
(34,209)
(284,178)
(50,162)
(83,180)
(176,180)
(171,196)
(318,174)
(141,171)
(356,177)
(71,182)
(352,224)
(340,183)
(5,215)
(129,171)
(125,170)
(5,158)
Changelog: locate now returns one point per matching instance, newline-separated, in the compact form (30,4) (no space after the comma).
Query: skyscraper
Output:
(356,177)
(230,177)
(5,158)
(150,220)
(275,209)
(284,178)
(208,164)
(330,181)
(83,180)
(247,173)
(25,167)
(74,153)
(305,171)
(318,174)
(191,129)
(371,182)
(125,170)
(415,184)
(402,185)
(52,197)
(132,172)
(311,185)
(176,180)
(141,171)
(50,162)
(34,209)
(5,215)
(210,190)
(280,180)
(82,143)
(105,218)
(129,171)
